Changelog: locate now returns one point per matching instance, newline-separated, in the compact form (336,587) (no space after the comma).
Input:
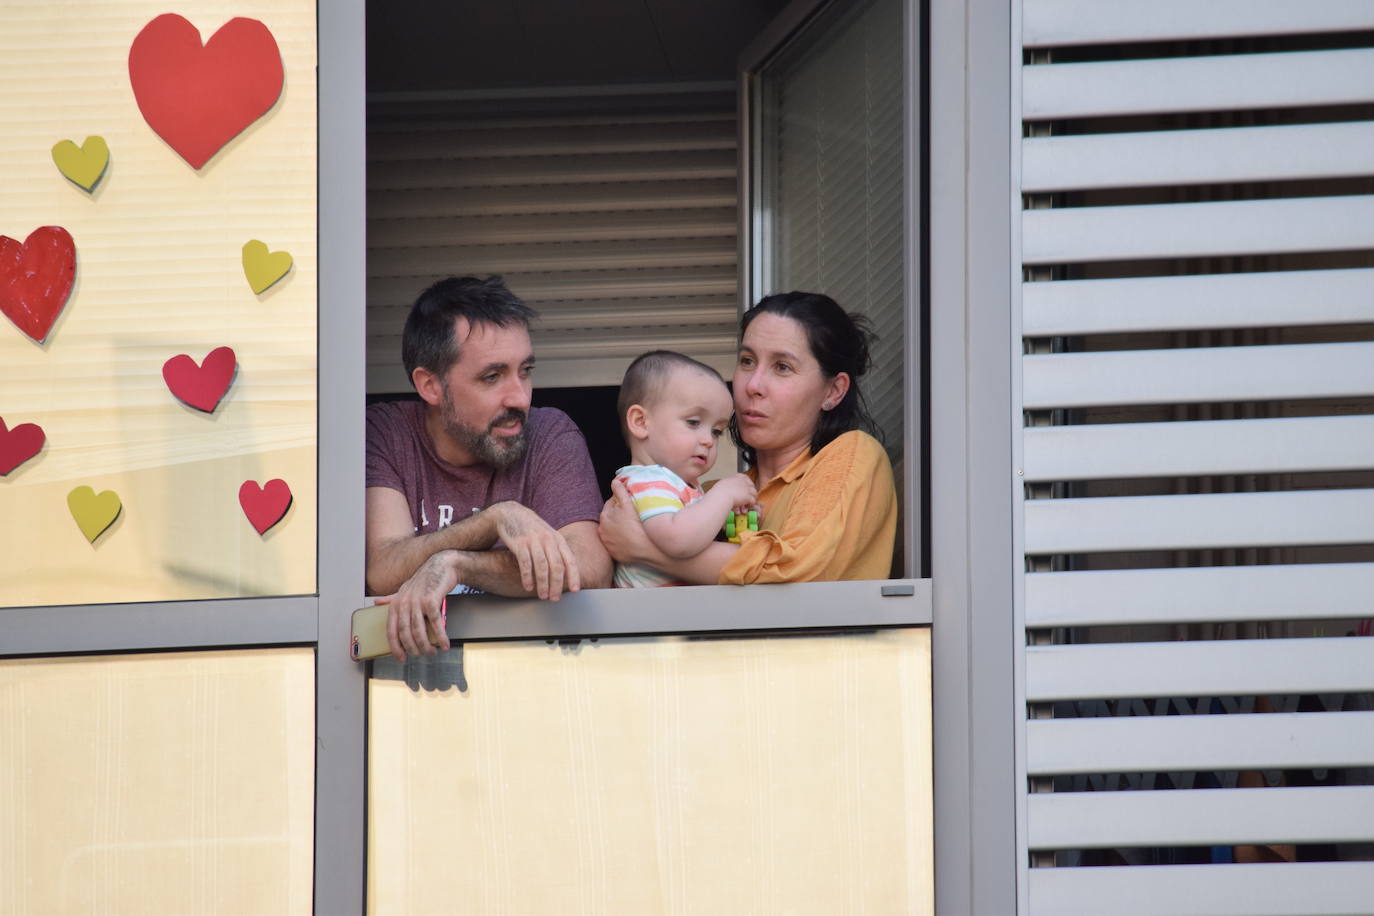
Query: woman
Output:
(830,509)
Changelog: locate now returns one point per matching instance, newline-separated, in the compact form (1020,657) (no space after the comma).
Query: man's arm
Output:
(498,572)
(395,551)
(530,567)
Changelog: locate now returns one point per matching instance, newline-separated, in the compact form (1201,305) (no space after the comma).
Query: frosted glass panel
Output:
(128,481)
(167,783)
(672,775)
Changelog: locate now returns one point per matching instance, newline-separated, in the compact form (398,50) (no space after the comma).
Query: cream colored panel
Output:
(674,775)
(169,783)
(159,273)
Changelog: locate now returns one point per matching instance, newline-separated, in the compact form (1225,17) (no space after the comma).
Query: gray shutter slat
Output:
(619,227)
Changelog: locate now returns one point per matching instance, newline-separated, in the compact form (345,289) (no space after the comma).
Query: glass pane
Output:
(730,775)
(169,783)
(830,174)
(159,275)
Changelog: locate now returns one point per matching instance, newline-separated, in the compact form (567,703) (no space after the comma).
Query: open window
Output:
(639,188)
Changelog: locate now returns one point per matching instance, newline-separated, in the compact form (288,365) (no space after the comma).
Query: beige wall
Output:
(158,274)
(674,775)
(162,783)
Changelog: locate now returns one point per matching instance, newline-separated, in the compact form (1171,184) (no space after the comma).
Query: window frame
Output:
(323,619)
(755,242)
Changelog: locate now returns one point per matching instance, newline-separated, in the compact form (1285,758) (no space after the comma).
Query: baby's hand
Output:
(740,491)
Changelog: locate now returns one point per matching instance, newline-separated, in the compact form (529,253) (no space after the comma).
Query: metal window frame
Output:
(974,209)
(755,227)
(973,561)
(302,620)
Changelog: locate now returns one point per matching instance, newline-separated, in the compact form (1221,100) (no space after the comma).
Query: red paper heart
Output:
(199,98)
(264,505)
(36,278)
(200,386)
(19,444)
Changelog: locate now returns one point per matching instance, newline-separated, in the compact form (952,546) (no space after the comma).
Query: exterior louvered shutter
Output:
(1198,387)
(613,215)
(831,183)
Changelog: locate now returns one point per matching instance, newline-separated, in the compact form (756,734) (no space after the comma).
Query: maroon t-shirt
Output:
(555,477)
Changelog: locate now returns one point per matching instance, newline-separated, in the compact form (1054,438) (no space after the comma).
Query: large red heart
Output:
(264,505)
(19,444)
(36,278)
(199,98)
(200,386)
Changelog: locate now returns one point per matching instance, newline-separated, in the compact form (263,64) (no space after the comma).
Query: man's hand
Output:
(547,564)
(414,619)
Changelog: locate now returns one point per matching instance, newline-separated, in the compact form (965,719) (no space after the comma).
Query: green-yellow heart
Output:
(263,267)
(83,165)
(94,512)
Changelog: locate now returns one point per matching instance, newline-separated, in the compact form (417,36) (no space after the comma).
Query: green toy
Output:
(736,522)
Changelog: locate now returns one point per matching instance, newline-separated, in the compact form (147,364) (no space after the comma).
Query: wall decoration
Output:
(94,512)
(19,444)
(196,97)
(36,278)
(159,276)
(262,267)
(264,505)
(201,386)
(82,165)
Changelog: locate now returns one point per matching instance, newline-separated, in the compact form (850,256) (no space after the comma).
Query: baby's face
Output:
(686,423)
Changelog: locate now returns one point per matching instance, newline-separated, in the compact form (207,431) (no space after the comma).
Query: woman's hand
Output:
(621,530)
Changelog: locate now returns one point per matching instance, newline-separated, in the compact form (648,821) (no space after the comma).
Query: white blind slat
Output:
(1245,300)
(1193,375)
(1214,668)
(1079,22)
(551,227)
(1200,817)
(543,170)
(1116,597)
(1197,230)
(591,198)
(1199,521)
(548,257)
(1290,889)
(1183,157)
(1180,84)
(566,139)
(1199,448)
(1210,743)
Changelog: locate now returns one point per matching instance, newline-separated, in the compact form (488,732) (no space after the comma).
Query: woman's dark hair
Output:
(839,341)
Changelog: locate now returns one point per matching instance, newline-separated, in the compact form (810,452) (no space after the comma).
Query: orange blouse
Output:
(828,516)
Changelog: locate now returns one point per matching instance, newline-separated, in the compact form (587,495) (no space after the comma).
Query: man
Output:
(472,469)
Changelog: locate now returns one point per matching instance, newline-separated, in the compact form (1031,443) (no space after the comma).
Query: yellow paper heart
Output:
(263,267)
(85,165)
(93,512)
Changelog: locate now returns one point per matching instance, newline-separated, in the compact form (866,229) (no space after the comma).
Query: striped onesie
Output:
(656,491)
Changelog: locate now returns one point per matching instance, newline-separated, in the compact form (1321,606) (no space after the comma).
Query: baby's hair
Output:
(646,376)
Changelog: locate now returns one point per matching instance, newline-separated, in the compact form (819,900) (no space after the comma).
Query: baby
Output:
(673,410)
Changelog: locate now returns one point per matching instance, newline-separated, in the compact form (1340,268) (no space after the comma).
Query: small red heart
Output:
(264,505)
(36,278)
(19,444)
(200,386)
(196,97)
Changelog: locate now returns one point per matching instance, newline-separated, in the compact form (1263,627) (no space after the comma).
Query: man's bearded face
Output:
(484,443)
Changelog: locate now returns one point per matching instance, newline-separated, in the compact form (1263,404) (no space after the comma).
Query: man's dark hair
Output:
(644,380)
(428,337)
